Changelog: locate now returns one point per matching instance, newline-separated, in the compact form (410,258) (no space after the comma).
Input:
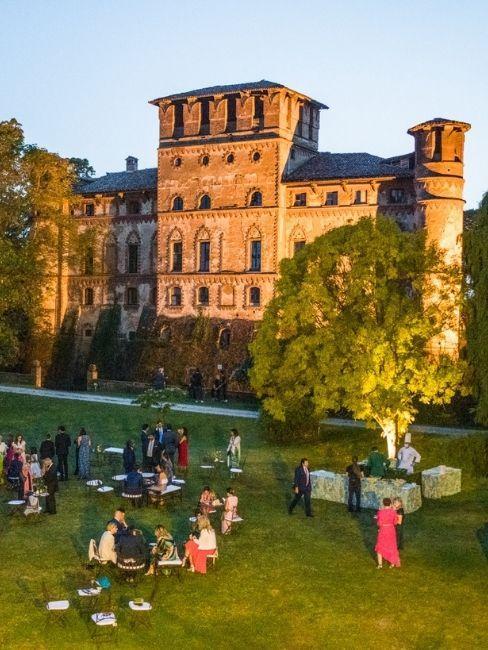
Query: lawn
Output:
(281,581)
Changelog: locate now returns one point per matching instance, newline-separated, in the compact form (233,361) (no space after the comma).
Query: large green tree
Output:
(476,259)
(351,326)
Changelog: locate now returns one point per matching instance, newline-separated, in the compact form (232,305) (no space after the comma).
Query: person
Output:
(119,521)
(144,440)
(3,447)
(26,479)
(106,547)
(47,449)
(129,456)
(220,387)
(159,430)
(170,443)
(234,449)
(131,550)
(83,444)
(14,474)
(302,486)
(50,478)
(167,465)
(230,511)
(197,383)
(407,457)
(200,545)
(9,457)
(133,484)
(164,550)
(398,506)
(183,449)
(160,480)
(354,475)
(19,447)
(386,543)
(377,463)
(153,453)
(207,501)
(62,443)
(34,463)
(159,379)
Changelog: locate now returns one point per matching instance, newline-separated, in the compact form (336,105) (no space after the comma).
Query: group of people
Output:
(159,448)
(196,386)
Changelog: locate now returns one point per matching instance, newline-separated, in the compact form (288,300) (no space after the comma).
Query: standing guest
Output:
(50,477)
(197,382)
(386,543)
(230,511)
(3,447)
(377,463)
(14,473)
(183,449)
(129,456)
(120,522)
(302,486)
(26,478)
(47,449)
(407,457)
(19,446)
(83,443)
(9,457)
(159,430)
(164,550)
(170,443)
(106,547)
(354,475)
(234,449)
(34,463)
(398,506)
(62,443)
(3,453)
(220,387)
(153,453)
(144,441)
(159,379)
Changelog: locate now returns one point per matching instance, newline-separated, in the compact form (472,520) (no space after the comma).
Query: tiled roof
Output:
(264,84)
(142,179)
(324,166)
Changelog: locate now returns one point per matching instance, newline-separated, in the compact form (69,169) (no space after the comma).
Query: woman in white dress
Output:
(230,511)
(234,449)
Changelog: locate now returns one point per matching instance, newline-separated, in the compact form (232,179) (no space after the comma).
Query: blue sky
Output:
(78,75)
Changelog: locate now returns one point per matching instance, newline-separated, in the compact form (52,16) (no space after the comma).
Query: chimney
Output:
(131,164)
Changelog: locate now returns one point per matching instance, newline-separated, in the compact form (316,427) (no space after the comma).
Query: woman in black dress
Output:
(50,478)
(398,505)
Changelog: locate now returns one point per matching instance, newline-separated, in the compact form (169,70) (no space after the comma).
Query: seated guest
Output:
(230,511)
(167,465)
(131,550)
(207,501)
(160,480)
(133,483)
(165,549)
(14,475)
(129,456)
(120,522)
(200,546)
(106,548)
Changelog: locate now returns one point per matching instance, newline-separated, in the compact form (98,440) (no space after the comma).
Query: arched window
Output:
(132,296)
(177,203)
(88,297)
(256,199)
(255,255)
(203,296)
(224,338)
(110,256)
(255,297)
(88,330)
(134,207)
(175,297)
(205,202)
(133,245)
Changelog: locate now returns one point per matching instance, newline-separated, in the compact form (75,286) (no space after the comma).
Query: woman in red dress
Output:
(183,449)
(386,544)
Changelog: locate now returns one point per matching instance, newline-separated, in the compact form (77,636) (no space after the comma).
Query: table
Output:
(441,481)
(114,450)
(16,506)
(170,491)
(119,477)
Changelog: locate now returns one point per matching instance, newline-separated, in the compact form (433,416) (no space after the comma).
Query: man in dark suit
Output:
(302,486)
(144,441)
(153,454)
(47,450)
(62,442)
(170,444)
(354,474)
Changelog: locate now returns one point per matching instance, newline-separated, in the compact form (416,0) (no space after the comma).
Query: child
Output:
(35,467)
(398,505)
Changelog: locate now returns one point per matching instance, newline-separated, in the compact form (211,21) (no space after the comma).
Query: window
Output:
(178,128)
(298,245)
(254,296)
(203,296)
(205,117)
(256,156)
(89,261)
(437,153)
(177,162)
(256,255)
(300,199)
(256,199)
(88,331)
(175,297)
(132,258)
(310,123)
(89,209)
(88,298)
(360,196)
(154,296)
(134,207)
(258,117)
(205,160)
(230,158)
(231,114)
(204,257)
(177,252)
(132,296)
(300,125)
(110,259)
(132,336)
(396,195)
(205,202)
(177,203)
(332,198)
(224,338)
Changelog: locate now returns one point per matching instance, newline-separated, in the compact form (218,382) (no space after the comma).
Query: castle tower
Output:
(439,183)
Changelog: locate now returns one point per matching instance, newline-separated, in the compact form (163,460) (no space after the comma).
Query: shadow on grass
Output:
(366,524)
(482,535)
(281,472)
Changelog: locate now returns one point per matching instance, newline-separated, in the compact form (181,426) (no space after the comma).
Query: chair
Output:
(105,625)
(214,557)
(88,598)
(93,483)
(131,569)
(16,506)
(172,566)
(139,609)
(56,609)
(134,499)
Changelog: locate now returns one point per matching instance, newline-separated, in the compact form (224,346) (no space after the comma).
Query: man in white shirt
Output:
(106,548)
(407,457)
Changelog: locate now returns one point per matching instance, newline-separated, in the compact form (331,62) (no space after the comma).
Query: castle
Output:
(240,185)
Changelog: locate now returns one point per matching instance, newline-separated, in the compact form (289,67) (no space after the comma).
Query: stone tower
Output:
(439,182)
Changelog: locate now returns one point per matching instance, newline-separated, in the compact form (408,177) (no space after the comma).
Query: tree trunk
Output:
(389,432)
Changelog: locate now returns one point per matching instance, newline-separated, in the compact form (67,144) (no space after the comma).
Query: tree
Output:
(81,168)
(160,399)
(476,261)
(350,326)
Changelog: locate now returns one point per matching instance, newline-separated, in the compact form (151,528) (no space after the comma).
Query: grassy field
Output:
(281,581)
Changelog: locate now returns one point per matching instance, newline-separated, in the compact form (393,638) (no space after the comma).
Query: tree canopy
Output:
(350,326)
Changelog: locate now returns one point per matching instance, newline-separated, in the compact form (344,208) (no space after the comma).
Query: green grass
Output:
(280,582)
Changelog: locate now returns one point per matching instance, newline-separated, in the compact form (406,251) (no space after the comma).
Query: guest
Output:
(47,449)
(120,522)
(302,487)
(377,463)
(62,443)
(159,430)
(50,477)
(160,480)
(398,506)
(26,480)
(170,443)
(167,465)
(9,457)
(129,456)
(234,449)
(219,389)
(386,543)
(183,449)
(153,454)
(131,550)
(14,473)
(3,447)
(230,511)
(164,550)
(197,382)
(83,444)
(133,484)
(159,379)
(197,549)
(106,547)
(354,474)
(19,447)
(207,501)
(144,441)
(407,457)
(34,462)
